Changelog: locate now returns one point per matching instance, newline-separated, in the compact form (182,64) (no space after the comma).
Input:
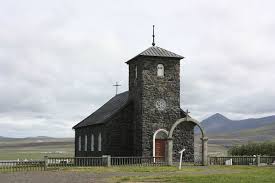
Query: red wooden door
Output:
(160,148)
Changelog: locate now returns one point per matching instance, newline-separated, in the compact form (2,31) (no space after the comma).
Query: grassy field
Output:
(190,174)
(35,149)
(36,153)
(217,174)
(64,150)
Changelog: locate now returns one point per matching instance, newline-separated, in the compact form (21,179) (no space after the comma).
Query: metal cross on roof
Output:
(153,36)
(116,85)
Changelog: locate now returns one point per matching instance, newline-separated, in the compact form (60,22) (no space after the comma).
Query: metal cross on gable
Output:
(117,85)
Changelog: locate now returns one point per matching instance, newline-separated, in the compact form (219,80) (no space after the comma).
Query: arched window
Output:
(85,147)
(160,72)
(99,142)
(92,143)
(79,143)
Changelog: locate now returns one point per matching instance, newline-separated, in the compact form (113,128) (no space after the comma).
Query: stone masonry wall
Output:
(183,137)
(145,90)
(135,93)
(155,88)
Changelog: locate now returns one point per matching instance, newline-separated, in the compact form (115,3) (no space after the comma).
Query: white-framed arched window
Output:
(160,70)
(92,142)
(79,143)
(99,142)
(86,139)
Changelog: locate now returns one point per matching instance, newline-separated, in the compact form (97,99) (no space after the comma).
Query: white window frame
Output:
(99,142)
(160,70)
(79,143)
(85,147)
(92,142)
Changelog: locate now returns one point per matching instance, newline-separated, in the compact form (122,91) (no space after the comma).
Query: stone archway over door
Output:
(170,140)
(159,143)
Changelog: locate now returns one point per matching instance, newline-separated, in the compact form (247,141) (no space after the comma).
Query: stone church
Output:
(137,122)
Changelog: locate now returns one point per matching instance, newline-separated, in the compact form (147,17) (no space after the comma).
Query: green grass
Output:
(216,174)
(189,174)
(131,169)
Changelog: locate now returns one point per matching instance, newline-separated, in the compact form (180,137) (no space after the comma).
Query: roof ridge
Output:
(155,51)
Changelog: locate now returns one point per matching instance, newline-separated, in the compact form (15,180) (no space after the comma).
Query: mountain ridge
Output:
(218,123)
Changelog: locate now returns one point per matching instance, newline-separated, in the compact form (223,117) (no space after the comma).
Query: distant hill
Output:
(33,141)
(32,138)
(227,132)
(6,138)
(221,124)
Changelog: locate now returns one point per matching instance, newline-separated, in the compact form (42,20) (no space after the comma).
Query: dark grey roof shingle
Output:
(106,111)
(155,51)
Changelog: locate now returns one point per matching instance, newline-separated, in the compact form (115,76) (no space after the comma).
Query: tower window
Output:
(99,142)
(160,70)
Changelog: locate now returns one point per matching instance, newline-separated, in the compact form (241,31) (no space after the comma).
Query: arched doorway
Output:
(204,139)
(159,144)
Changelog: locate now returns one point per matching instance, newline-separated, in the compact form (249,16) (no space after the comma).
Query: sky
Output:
(59,59)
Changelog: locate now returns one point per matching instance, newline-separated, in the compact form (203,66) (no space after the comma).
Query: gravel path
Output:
(51,177)
(85,177)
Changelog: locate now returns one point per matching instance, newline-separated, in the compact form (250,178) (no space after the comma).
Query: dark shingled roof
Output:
(106,111)
(155,51)
(110,108)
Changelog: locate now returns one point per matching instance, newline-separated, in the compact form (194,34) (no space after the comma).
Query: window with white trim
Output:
(99,142)
(160,70)
(79,143)
(92,142)
(85,147)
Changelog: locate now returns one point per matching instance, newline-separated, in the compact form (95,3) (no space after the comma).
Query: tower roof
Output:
(155,51)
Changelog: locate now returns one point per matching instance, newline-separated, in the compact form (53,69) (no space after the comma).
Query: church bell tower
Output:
(154,89)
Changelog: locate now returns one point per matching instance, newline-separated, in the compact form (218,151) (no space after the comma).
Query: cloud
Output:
(59,59)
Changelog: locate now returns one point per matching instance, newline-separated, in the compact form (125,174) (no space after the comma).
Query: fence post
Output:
(107,160)
(258,160)
(45,162)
